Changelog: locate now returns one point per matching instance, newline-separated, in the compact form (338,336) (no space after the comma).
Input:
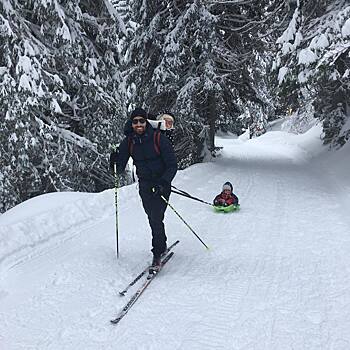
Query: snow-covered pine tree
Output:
(123,9)
(247,29)
(59,94)
(164,68)
(195,58)
(187,73)
(315,55)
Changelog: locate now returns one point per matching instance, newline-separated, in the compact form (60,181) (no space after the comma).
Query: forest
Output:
(72,70)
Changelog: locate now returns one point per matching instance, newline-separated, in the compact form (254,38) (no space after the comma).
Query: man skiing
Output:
(156,167)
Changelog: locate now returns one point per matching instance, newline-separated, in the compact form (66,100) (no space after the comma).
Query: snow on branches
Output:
(314,54)
(60,95)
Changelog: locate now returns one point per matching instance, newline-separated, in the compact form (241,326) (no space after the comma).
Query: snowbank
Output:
(41,222)
(281,262)
(278,146)
(335,166)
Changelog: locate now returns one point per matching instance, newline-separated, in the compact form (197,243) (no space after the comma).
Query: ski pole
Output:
(187,195)
(190,228)
(116,185)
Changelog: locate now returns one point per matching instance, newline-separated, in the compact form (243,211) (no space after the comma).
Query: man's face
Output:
(139,125)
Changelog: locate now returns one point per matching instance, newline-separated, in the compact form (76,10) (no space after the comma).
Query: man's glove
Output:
(158,190)
(161,187)
(218,202)
(113,158)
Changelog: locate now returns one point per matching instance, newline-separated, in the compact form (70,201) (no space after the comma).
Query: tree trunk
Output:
(212,116)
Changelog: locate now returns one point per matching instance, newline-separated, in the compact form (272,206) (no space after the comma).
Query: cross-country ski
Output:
(139,292)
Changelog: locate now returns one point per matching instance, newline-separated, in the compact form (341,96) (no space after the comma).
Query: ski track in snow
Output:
(276,276)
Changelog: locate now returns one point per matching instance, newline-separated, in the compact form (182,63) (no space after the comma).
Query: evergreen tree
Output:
(197,59)
(167,64)
(59,94)
(242,26)
(314,64)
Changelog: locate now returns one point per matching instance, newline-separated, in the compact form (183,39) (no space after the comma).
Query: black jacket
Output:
(150,166)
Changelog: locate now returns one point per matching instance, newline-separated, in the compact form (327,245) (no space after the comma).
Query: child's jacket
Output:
(224,199)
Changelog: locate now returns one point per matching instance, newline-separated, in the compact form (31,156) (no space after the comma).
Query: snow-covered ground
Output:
(277,275)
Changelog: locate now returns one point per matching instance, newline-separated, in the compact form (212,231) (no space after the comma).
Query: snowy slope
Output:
(276,276)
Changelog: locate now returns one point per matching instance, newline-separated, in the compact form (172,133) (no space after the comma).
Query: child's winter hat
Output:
(166,115)
(227,186)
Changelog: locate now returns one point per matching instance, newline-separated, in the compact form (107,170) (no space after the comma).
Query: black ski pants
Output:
(155,208)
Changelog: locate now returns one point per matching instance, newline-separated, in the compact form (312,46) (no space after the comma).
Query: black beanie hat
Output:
(138,112)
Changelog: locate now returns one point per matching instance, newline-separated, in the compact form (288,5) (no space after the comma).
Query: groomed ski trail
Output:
(276,276)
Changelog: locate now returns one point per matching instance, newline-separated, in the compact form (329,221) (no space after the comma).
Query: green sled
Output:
(228,209)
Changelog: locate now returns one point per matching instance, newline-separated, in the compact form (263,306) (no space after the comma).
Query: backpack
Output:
(156,142)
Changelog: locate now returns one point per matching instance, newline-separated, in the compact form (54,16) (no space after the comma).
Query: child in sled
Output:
(226,197)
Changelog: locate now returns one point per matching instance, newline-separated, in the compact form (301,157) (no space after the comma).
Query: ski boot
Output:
(155,267)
